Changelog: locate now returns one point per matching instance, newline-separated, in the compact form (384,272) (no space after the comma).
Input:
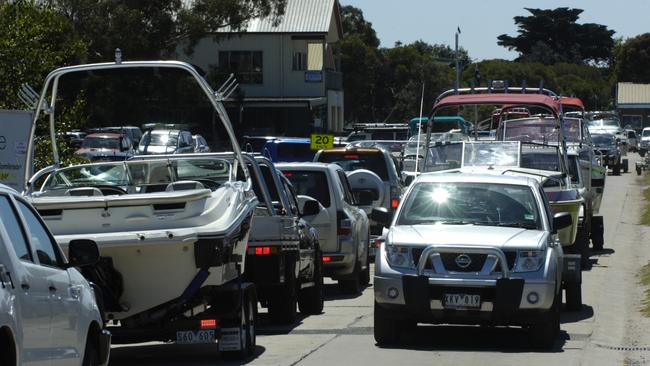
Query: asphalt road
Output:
(608,331)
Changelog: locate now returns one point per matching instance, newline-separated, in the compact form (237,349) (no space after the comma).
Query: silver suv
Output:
(470,248)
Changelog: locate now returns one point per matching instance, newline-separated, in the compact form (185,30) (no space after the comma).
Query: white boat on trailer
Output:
(172,233)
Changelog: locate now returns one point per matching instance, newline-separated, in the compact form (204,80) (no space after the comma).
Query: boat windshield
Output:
(443,157)
(477,203)
(502,154)
(142,176)
(543,130)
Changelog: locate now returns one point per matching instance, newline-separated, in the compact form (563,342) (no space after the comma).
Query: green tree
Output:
(553,35)
(146,29)
(633,58)
(354,24)
(34,40)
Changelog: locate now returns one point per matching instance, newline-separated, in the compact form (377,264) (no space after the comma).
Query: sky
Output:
(481,21)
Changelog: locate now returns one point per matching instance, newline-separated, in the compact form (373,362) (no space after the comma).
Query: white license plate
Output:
(195,337)
(462,301)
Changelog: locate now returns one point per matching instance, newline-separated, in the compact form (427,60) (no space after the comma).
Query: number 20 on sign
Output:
(321,141)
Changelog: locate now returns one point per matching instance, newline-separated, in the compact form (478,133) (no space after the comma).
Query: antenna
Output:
(417,146)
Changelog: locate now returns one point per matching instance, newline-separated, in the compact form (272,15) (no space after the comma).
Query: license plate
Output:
(195,337)
(462,301)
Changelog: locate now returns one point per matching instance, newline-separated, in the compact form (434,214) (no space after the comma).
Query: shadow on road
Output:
(333,292)
(473,338)
(576,316)
(173,354)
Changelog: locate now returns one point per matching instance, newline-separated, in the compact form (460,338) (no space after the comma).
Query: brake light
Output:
(288,175)
(379,242)
(334,258)
(394,203)
(208,323)
(350,156)
(263,250)
(327,259)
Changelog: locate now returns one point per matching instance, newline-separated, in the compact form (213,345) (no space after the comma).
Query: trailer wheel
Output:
(616,169)
(352,284)
(626,165)
(582,246)
(638,170)
(573,294)
(597,232)
(312,299)
(282,303)
(247,326)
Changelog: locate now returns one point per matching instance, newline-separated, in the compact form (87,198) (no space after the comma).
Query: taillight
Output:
(343,224)
(263,250)
(394,203)
(379,242)
(333,258)
(208,323)
(394,197)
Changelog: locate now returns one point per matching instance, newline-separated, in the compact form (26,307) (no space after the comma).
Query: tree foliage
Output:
(553,35)
(633,58)
(33,41)
(147,29)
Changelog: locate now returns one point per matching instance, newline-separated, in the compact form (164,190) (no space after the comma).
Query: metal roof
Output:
(630,93)
(300,16)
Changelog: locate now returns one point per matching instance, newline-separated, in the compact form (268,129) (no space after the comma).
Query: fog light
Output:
(393,293)
(533,297)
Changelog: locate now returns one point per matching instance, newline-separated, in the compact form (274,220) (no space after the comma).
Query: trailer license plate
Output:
(195,337)
(462,301)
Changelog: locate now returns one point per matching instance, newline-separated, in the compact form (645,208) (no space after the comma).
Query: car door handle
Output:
(24,286)
(52,288)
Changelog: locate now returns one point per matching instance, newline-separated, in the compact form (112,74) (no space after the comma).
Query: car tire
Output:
(352,284)
(282,304)
(638,170)
(544,334)
(616,170)
(642,153)
(573,293)
(365,274)
(597,233)
(386,329)
(312,299)
(91,352)
(582,246)
(626,165)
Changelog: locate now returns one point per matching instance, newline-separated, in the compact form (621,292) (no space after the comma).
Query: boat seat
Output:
(183,185)
(83,191)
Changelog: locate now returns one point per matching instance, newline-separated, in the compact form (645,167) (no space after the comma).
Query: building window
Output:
(315,56)
(299,61)
(246,65)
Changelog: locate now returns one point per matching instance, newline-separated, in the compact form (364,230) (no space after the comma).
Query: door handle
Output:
(52,288)
(25,286)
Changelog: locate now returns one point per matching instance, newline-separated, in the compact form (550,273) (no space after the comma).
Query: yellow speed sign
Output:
(321,141)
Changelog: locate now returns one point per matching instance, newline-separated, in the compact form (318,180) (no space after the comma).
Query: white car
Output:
(470,249)
(48,311)
(644,144)
(343,231)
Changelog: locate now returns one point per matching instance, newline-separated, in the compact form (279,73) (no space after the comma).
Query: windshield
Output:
(354,160)
(471,203)
(101,143)
(443,157)
(541,160)
(541,130)
(132,176)
(603,140)
(159,139)
(310,183)
(645,133)
(604,123)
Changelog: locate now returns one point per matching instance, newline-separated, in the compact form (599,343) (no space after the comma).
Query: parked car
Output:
(601,123)
(607,144)
(644,144)
(632,140)
(48,311)
(284,259)
(385,185)
(255,144)
(343,232)
(106,146)
(379,131)
(133,132)
(288,149)
(470,249)
(165,141)
(75,138)
(200,145)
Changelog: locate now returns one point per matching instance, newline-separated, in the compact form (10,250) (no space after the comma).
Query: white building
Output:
(288,70)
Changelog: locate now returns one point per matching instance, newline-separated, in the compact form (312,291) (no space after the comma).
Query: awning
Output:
(279,102)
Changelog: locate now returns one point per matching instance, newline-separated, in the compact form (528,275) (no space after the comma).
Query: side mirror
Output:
(364,198)
(311,208)
(561,221)
(381,216)
(82,253)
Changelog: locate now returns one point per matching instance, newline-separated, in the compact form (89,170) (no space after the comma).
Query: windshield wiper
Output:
(515,224)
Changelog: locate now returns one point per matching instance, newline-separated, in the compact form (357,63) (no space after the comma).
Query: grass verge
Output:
(645,215)
(644,277)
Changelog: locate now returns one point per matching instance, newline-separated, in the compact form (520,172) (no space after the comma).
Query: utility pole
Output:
(457,61)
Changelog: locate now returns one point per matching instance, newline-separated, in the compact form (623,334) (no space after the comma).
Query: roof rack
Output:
(499,86)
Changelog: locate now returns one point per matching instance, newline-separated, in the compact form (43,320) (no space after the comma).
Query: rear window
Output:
(309,183)
(351,160)
(294,151)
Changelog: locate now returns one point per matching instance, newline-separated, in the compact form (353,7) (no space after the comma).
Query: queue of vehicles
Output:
(177,244)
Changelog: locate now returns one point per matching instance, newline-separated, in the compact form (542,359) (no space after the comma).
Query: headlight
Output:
(529,260)
(399,256)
